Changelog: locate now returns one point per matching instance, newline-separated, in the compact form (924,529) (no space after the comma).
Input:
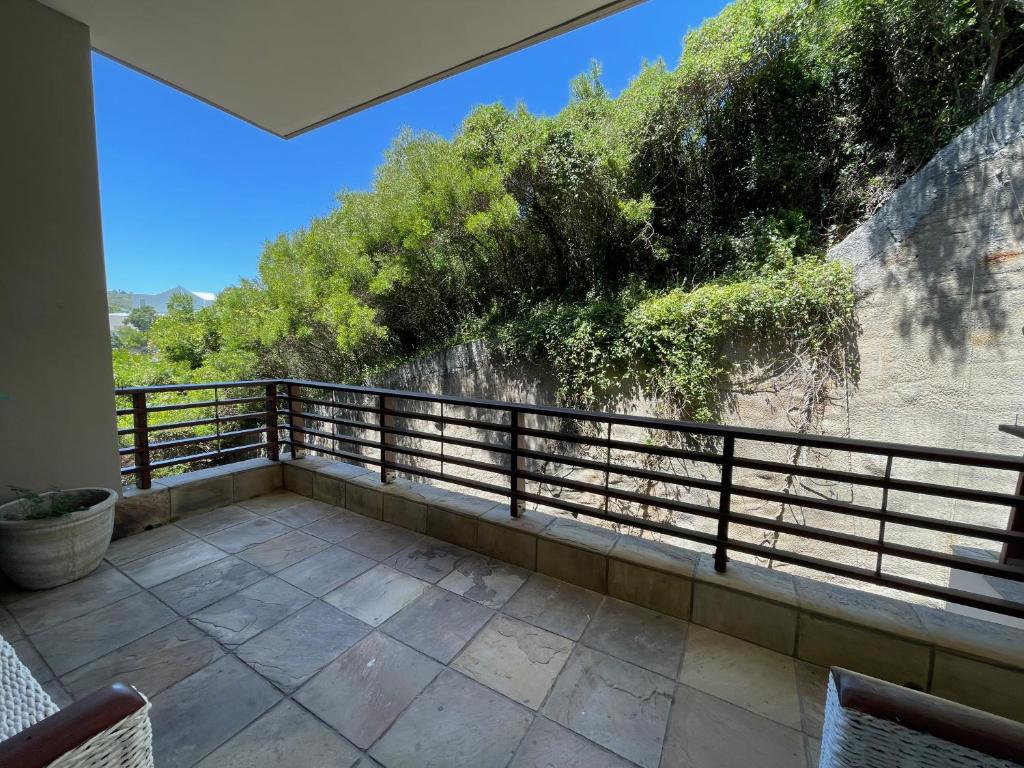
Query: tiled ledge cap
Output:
(965,636)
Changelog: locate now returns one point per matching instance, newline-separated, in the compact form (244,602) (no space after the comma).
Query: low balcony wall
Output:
(975,662)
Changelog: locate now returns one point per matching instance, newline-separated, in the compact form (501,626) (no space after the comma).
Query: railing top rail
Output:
(825,442)
(191,387)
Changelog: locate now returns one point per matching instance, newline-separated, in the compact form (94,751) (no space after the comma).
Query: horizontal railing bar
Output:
(623,445)
(446,478)
(197,422)
(483,466)
(868,513)
(338,438)
(446,439)
(190,387)
(876,481)
(489,426)
(871,544)
(202,404)
(328,403)
(362,458)
(622,469)
(205,438)
(339,422)
(196,457)
(639,498)
(856,445)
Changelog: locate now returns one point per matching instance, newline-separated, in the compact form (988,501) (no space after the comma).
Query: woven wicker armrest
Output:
(954,723)
(49,739)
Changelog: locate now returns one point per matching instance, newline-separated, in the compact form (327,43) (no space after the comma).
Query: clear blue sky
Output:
(191,194)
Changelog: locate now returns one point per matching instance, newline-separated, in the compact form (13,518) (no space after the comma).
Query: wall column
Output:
(57,424)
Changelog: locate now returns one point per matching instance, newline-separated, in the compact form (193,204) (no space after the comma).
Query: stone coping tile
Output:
(658,555)
(529,520)
(975,637)
(234,468)
(580,535)
(861,608)
(341,470)
(466,505)
(755,580)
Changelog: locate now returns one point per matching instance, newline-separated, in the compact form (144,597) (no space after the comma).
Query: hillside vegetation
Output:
(627,238)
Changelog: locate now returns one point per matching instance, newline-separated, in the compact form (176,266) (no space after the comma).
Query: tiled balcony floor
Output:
(286,631)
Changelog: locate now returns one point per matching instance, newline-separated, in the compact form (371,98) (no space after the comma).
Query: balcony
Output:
(322,599)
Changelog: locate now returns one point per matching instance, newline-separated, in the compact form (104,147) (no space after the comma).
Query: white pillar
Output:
(57,425)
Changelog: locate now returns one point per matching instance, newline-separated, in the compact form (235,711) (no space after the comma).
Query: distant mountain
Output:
(126,301)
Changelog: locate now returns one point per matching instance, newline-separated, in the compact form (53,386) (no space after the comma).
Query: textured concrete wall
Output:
(939,272)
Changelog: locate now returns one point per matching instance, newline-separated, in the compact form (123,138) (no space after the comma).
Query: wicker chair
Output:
(870,723)
(107,729)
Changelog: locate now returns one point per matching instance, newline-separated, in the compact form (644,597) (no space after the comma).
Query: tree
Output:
(141,318)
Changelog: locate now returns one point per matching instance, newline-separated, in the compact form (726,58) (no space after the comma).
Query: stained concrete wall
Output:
(57,425)
(939,274)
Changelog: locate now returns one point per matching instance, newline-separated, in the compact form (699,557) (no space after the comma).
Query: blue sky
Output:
(191,194)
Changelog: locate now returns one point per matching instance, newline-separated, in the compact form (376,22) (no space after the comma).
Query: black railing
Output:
(504,449)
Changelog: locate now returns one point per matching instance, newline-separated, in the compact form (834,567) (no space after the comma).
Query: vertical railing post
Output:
(517,485)
(273,447)
(295,421)
(724,503)
(884,509)
(140,417)
(387,421)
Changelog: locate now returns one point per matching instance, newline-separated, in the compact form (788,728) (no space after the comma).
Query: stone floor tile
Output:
(240,537)
(326,570)
(287,735)
(380,543)
(272,502)
(245,614)
(291,652)
(30,657)
(151,663)
(36,611)
(57,693)
(280,552)
(377,595)
(705,731)
(302,514)
(812,746)
(217,520)
(438,623)
(617,704)
(194,717)
(341,525)
(164,566)
(9,628)
(554,605)
(645,638)
(454,723)
(742,673)
(146,543)
(204,586)
(79,641)
(811,685)
(484,580)
(428,559)
(516,659)
(547,744)
(362,691)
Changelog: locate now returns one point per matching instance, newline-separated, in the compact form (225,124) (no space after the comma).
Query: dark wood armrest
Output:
(922,712)
(42,743)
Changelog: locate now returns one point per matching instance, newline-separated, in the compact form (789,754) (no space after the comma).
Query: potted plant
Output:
(52,538)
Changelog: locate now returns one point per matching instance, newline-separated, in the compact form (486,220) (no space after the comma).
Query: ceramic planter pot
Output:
(46,552)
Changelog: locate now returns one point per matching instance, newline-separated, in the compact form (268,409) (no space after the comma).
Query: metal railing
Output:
(389,429)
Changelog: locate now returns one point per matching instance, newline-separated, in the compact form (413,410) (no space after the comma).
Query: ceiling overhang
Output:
(292,65)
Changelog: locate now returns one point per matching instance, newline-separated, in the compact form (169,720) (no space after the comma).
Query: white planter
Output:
(48,552)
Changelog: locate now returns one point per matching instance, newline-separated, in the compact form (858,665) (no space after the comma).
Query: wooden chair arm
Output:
(955,723)
(41,744)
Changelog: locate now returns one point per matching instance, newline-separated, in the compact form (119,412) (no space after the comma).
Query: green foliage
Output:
(119,301)
(141,318)
(655,225)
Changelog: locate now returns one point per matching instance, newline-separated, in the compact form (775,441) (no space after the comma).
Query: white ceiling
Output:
(291,65)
